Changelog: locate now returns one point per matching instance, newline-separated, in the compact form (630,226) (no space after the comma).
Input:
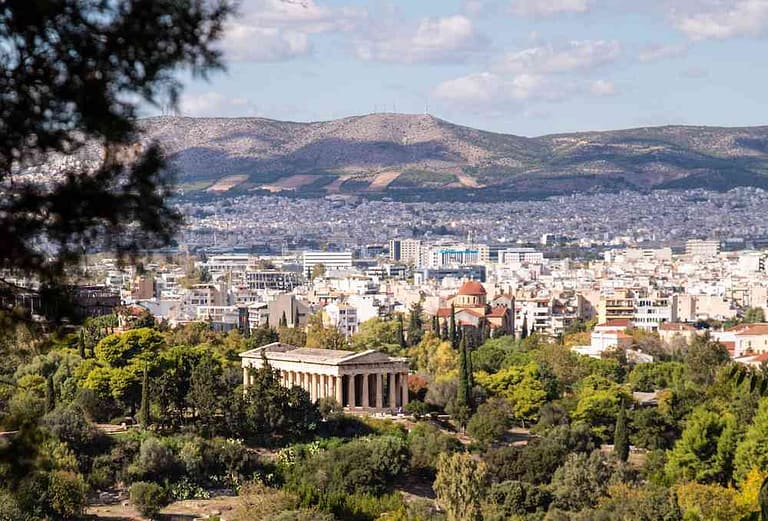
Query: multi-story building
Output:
(456,255)
(520,256)
(343,317)
(618,304)
(699,248)
(652,310)
(331,260)
(407,251)
(272,279)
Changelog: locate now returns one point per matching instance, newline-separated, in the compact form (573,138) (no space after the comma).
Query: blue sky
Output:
(526,67)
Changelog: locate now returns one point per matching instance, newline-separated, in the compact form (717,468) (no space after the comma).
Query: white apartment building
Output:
(228,262)
(343,317)
(520,256)
(332,260)
(456,255)
(699,248)
(653,310)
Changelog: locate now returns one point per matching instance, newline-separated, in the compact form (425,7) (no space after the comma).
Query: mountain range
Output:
(421,157)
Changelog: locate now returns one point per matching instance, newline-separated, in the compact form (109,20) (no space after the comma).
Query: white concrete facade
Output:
(368,381)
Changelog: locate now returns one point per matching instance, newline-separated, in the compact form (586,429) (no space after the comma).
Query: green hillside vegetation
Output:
(530,435)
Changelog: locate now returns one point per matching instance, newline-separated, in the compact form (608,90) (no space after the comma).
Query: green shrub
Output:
(148,498)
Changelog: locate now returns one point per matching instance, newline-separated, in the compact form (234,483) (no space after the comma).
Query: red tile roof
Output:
(472,288)
(676,326)
(751,330)
(616,322)
(498,311)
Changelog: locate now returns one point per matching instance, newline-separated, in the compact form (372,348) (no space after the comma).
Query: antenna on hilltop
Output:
(426,108)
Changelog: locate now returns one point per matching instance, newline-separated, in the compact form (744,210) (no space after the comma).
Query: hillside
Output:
(408,156)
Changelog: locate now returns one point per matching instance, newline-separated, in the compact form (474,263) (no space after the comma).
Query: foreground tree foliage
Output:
(72,73)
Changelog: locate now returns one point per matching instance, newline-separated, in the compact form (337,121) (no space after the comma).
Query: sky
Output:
(526,67)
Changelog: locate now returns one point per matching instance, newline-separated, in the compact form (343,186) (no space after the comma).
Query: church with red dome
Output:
(475,315)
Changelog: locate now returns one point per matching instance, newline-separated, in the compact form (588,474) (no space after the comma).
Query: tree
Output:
(490,422)
(452,328)
(752,451)
(318,270)
(709,501)
(459,486)
(74,72)
(621,435)
(81,343)
(524,387)
(464,391)
(524,328)
(704,358)
(50,394)
(207,390)
(415,324)
(400,338)
(283,322)
(753,315)
(148,498)
(426,442)
(144,417)
(380,334)
(704,452)
(581,481)
(321,337)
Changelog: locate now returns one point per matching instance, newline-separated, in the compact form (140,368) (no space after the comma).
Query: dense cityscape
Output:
(273,223)
(538,292)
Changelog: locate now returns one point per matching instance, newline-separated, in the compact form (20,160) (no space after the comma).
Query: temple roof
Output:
(287,352)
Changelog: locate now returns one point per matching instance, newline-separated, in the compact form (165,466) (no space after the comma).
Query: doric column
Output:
(379,391)
(312,387)
(404,379)
(246,381)
(392,390)
(339,390)
(366,390)
(351,390)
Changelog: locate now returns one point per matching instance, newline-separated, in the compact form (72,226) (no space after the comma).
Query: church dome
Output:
(472,288)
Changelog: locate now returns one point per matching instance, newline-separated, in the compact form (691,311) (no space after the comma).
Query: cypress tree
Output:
(400,333)
(435,325)
(524,330)
(81,344)
(50,394)
(463,391)
(296,317)
(144,418)
(283,321)
(620,435)
(452,327)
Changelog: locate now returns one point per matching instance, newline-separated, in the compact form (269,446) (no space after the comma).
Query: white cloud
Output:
(277,30)
(725,20)
(308,15)
(263,44)
(577,55)
(214,104)
(542,8)
(447,39)
(602,88)
(654,53)
(487,89)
